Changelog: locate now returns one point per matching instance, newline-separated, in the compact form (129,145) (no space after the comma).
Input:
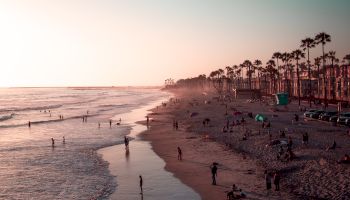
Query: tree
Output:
(286,58)
(318,63)
(247,64)
(297,55)
(331,56)
(347,58)
(257,64)
(270,69)
(277,56)
(307,44)
(322,38)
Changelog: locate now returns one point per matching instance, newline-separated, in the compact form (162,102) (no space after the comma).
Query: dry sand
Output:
(314,174)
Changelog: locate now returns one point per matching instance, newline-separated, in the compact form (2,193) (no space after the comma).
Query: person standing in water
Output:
(52,142)
(141,184)
(126,142)
(29,124)
(110,123)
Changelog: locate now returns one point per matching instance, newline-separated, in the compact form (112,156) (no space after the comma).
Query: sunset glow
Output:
(104,43)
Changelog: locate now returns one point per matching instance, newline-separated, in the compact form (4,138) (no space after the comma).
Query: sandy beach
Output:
(139,159)
(313,174)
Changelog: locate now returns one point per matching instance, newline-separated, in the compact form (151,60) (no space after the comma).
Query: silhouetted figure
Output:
(110,123)
(179,153)
(296,117)
(99,125)
(176,125)
(141,184)
(52,142)
(29,124)
(305,138)
(268,181)
(147,120)
(290,142)
(334,145)
(276,181)
(63,140)
(214,170)
(126,142)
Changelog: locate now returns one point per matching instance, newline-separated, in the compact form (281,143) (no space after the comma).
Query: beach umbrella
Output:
(260,118)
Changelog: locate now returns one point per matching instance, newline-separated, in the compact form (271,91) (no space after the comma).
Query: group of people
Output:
(53,141)
(276,180)
(235,193)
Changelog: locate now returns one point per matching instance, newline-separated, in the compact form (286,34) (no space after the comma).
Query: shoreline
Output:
(141,159)
(314,173)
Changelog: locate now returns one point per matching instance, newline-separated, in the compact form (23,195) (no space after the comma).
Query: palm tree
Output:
(257,64)
(318,63)
(229,77)
(270,68)
(323,38)
(297,55)
(247,64)
(307,44)
(278,55)
(347,58)
(331,56)
(286,58)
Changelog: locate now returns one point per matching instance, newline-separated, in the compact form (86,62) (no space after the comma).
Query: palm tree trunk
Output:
(309,75)
(298,83)
(324,77)
(318,82)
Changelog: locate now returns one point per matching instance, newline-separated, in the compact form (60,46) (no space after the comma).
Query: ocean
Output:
(31,168)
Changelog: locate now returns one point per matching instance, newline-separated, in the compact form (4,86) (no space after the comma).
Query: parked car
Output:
(327,115)
(309,112)
(342,118)
(316,114)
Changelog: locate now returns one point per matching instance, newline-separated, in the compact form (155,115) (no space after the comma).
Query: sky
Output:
(144,42)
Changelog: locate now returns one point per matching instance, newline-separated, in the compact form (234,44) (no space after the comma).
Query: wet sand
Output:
(140,159)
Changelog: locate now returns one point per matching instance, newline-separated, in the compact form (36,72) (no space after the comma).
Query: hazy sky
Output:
(144,42)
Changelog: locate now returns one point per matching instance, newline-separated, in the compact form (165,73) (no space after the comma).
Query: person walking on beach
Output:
(214,170)
(147,120)
(110,123)
(268,181)
(52,142)
(179,153)
(141,184)
(126,142)
(29,124)
(276,181)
